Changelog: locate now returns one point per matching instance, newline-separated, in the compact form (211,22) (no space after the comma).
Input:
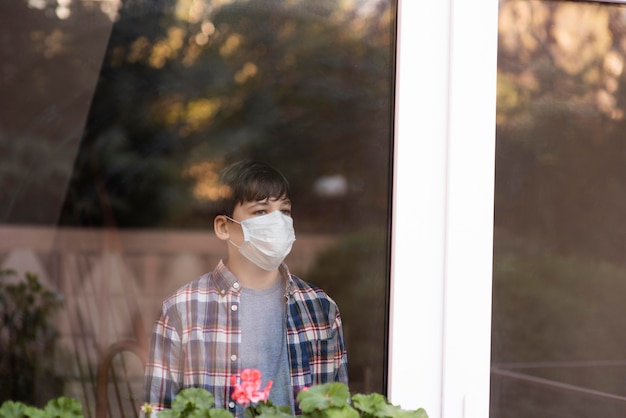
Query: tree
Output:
(305,86)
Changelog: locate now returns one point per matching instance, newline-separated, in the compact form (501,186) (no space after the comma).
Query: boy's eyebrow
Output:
(266,202)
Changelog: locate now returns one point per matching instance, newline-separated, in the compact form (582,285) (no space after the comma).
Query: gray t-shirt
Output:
(264,340)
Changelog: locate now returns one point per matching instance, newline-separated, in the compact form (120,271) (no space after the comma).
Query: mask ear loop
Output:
(239,223)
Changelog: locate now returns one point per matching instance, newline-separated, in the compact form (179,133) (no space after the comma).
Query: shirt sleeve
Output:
(163,375)
(341,356)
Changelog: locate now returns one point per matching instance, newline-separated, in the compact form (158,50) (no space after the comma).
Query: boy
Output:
(250,312)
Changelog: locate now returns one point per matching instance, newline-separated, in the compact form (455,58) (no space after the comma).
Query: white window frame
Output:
(440,319)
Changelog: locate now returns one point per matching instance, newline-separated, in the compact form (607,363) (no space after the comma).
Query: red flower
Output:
(249,390)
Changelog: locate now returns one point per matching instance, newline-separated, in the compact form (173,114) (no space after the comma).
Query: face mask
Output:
(267,239)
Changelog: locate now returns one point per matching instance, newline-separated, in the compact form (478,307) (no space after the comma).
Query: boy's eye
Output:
(260,212)
(286,212)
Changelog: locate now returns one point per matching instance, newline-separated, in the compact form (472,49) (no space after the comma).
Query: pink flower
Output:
(250,374)
(249,390)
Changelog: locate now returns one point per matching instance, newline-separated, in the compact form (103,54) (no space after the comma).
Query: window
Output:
(121,114)
(558,337)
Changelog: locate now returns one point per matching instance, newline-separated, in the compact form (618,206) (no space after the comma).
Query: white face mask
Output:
(267,239)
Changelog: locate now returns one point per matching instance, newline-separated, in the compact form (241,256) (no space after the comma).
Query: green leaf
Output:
(165,413)
(324,396)
(345,411)
(190,399)
(219,413)
(199,413)
(10,409)
(64,408)
(32,412)
(275,413)
(418,413)
(370,404)
(375,405)
(269,410)
(260,407)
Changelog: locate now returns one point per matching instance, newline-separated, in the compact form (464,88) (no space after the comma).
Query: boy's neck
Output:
(251,276)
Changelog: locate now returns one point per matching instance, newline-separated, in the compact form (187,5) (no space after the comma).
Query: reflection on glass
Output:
(122,114)
(559,274)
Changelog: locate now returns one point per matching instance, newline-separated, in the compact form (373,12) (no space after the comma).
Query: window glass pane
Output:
(559,275)
(120,114)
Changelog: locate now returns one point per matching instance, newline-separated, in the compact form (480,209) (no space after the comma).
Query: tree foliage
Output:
(27,311)
(560,160)
(355,270)
(306,86)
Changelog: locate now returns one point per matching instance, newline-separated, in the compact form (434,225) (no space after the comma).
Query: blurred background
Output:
(115,118)
(559,278)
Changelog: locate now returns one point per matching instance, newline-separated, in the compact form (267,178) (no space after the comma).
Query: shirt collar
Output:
(289,285)
(226,281)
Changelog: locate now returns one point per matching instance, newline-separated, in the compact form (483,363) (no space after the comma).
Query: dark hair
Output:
(251,181)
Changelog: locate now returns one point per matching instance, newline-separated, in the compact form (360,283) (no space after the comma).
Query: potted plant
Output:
(27,339)
(329,400)
(61,407)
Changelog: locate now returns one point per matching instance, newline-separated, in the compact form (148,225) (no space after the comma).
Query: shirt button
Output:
(233,357)
(236,285)
(233,308)
(231,404)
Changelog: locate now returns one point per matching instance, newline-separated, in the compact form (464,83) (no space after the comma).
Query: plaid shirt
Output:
(196,341)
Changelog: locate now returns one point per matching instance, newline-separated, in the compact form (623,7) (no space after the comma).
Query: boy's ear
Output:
(219,226)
